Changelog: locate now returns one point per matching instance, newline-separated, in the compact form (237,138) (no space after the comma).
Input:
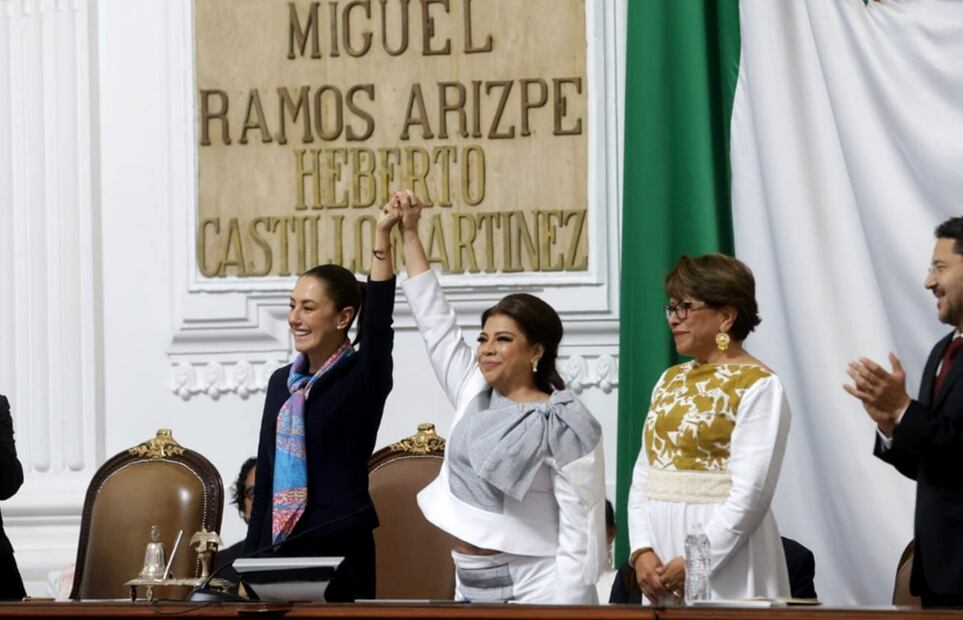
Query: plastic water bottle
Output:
(697,560)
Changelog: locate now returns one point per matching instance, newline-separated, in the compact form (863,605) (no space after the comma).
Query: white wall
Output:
(110,334)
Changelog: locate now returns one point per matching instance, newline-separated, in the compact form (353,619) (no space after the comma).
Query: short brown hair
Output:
(718,280)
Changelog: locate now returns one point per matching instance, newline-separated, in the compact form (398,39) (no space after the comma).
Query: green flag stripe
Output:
(682,61)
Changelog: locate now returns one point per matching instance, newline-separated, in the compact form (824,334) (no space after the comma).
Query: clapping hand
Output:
(882,393)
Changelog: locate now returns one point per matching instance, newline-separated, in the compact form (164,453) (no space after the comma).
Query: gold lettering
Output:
(575,240)
(332,174)
(338,230)
(333,22)
(300,243)
(467,175)
(476,109)
(444,107)
(417,99)
(387,169)
(428,29)
(346,28)
(493,133)
(233,247)
(469,48)
(202,246)
(547,237)
(320,113)
(361,249)
(254,105)
(416,176)
(282,223)
(525,239)
(437,248)
(464,242)
(260,242)
(286,104)
(527,105)
(299,34)
(404,29)
(508,254)
(365,173)
(369,90)
(491,219)
(445,155)
(314,173)
(561,106)
(311,223)
(207,116)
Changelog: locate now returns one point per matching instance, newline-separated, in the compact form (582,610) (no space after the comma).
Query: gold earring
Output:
(722,341)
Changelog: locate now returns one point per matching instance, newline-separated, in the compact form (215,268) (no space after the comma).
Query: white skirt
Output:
(757,568)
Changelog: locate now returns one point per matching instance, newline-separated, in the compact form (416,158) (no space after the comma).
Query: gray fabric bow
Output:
(499,445)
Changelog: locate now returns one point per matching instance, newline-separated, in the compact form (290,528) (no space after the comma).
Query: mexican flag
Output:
(821,142)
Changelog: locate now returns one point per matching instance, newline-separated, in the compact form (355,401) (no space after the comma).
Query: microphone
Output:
(204,594)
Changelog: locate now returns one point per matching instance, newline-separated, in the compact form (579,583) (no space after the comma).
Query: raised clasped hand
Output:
(882,392)
(390,214)
(410,208)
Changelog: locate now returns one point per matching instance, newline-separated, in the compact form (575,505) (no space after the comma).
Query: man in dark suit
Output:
(923,438)
(11,477)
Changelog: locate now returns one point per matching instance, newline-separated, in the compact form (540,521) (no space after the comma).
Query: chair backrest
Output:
(160,483)
(901,585)
(413,556)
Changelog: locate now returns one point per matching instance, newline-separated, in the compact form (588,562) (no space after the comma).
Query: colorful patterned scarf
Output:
(290,464)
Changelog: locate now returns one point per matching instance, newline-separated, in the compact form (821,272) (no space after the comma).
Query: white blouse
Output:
(563,513)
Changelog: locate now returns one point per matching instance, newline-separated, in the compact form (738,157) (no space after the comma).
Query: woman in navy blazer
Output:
(341,415)
(11,477)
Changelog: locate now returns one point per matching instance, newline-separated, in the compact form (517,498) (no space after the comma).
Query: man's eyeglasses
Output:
(681,310)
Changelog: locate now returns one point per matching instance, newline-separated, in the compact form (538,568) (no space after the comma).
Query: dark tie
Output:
(951,352)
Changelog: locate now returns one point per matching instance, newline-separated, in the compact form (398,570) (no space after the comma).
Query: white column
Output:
(49,365)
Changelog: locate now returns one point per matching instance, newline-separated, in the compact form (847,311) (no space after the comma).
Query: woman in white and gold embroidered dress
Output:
(713,444)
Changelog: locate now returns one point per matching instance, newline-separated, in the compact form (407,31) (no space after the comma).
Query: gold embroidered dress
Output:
(712,447)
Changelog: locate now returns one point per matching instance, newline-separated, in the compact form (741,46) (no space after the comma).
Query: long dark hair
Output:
(343,289)
(541,325)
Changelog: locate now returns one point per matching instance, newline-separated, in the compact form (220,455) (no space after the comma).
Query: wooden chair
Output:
(413,556)
(901,586)
(158,482)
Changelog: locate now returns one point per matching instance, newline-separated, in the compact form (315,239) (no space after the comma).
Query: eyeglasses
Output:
(249,493)
(681,310)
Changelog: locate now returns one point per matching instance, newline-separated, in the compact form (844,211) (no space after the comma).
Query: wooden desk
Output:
(441,611)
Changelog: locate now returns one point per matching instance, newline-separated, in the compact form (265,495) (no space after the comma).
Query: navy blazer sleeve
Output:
(377,337)
(11,472)
(904,462)
(932,431)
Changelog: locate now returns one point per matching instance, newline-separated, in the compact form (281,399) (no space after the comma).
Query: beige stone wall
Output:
(310,113)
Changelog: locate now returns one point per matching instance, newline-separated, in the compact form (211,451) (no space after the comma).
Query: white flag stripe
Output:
(847,151)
